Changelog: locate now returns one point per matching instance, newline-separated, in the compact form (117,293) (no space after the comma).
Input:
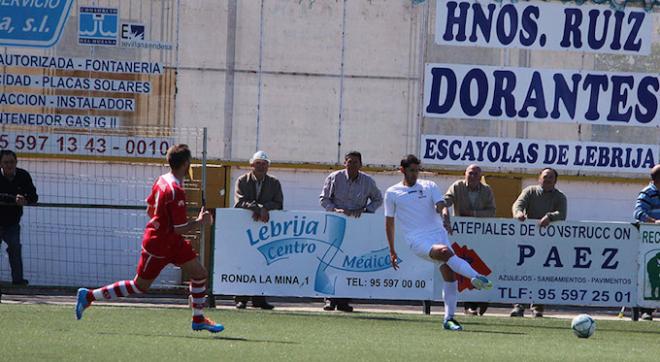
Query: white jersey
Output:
(414,207)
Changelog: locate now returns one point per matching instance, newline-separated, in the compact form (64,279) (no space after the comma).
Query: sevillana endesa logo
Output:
(474,260)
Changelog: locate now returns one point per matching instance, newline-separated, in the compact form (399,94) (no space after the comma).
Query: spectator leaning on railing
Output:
(259,192)
(545,203)
(647,209)
(471,197)
(349,192)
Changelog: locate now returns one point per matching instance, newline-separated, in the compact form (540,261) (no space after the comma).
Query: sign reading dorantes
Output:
(506,93)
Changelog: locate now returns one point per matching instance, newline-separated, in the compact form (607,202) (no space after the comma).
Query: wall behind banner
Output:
(309,80)
(305,80)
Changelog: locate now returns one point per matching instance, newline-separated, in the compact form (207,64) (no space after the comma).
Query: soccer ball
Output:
(583,326)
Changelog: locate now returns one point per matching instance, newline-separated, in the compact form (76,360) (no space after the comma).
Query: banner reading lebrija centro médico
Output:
(323,254)
(314,254)
(649,266)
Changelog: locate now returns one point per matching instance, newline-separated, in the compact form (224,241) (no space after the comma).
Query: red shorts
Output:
(150,265)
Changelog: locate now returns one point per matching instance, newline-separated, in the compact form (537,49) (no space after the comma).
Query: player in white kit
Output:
(417,206)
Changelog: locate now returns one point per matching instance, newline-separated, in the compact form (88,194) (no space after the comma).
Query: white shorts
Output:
(422,243)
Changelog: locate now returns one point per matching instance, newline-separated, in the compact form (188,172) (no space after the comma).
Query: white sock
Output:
(461,267)
(450,296)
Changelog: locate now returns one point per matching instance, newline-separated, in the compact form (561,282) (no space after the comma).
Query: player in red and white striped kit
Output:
(163,244)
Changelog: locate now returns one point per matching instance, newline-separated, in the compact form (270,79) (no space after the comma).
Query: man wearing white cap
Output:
(259,192)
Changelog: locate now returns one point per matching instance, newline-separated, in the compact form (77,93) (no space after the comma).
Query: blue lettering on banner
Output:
(580,255)
(497,152)
(543,26)
(322,240)
(373,261)
(33,23)
(58,120)
(484,92)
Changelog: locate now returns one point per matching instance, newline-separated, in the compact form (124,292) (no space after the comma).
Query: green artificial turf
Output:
(50,332)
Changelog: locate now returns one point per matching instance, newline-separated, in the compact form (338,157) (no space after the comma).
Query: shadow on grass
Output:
(625,331)
(492,332)
(199,337)
(358,315)
(510,325)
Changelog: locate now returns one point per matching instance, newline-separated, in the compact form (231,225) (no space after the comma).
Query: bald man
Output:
(471,197)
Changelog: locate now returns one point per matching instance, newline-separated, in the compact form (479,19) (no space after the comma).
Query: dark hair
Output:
(655,173)
(177,155)
(409,160)
(11,153)
(551,169)
(353,154)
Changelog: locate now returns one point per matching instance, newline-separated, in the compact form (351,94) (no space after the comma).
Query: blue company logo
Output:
(320,238)
(32,23)
(132,31)
(98,26)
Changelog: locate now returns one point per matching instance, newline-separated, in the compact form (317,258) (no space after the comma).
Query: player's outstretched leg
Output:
(197,301)
(460,266)
(112,291)
(81,302)
(480,282)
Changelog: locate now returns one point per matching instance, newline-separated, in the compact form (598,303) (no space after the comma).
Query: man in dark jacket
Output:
(259,192)
(16,191)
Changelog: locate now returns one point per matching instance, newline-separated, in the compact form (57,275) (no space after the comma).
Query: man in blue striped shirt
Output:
(647,209)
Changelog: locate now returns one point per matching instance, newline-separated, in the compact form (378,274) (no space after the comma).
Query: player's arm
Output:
(204,218)
(441,208)
(389,231)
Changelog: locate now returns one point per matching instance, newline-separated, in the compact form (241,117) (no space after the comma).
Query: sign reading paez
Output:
(32,23)
(575,263)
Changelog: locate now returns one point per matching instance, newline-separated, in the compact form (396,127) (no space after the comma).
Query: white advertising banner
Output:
(314,254)
(318,254)
(508,153)
(576,263)
(543,25)
(649,266)
(459,91)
